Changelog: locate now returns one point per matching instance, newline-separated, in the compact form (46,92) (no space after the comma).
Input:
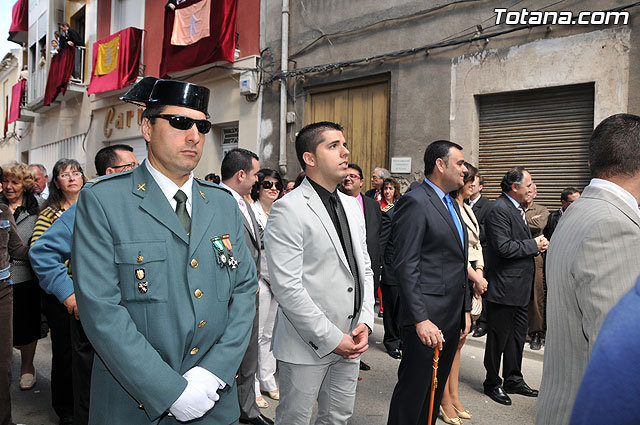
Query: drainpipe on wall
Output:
(284,60)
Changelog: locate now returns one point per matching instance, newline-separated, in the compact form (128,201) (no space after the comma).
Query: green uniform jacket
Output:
(155,302)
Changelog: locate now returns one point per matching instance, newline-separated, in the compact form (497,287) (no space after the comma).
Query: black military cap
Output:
(152,91)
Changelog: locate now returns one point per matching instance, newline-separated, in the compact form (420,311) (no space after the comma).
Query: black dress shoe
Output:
(480,331)
(395,353)
(536,342)
(364,366)
(380,314)
(498,395)
(258,420)
(522,389)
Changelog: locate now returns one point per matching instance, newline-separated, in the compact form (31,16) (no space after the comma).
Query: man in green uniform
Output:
(164,281)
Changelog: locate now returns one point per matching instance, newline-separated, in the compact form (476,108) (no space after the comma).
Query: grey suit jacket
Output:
(593,260)
(310,276)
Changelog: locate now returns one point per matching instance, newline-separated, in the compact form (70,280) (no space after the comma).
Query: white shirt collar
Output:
(515,203)
(621,193)
(235,194)
(472,202)
(169,188)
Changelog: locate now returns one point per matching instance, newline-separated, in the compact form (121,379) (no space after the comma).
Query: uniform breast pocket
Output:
(143,271)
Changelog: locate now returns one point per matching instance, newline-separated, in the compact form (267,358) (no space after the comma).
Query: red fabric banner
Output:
(218,46)
(19,19)
(128,61)
(16,96)
(59,74)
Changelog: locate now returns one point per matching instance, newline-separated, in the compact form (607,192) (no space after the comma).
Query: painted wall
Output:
(431,94)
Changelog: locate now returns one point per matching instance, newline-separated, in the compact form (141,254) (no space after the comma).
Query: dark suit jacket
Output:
(252,243)
(370,193)
(372,220)
(480,210)
(430,261)
(511,250)
(71,35)
(552,222)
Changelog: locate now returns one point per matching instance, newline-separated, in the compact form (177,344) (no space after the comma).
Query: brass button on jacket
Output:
(202,323)
(198,293)
(194,351)
(194,263)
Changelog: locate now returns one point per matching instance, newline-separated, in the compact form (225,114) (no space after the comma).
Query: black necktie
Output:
(181,210)
(348,247)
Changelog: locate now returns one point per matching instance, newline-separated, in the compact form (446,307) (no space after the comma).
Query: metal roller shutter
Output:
(545,130)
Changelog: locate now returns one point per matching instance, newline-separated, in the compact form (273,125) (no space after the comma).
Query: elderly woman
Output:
(17,193)
(264,193)
(451,408)
(66,182)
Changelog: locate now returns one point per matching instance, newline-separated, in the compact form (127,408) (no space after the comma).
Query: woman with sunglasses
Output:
(264,193)
(66,182)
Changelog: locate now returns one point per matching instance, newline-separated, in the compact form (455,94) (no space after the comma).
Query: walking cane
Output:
(434,382)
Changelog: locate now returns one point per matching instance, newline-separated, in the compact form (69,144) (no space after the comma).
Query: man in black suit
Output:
(479,204)
(69,36)
(510,274)
(430,265)
(351,185)
(567,196)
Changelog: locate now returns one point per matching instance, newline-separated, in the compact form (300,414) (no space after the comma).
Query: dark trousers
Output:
(505,339)
(247,375)
(6,347)
(61,382)
(82,359)
(390,301)
(410,400)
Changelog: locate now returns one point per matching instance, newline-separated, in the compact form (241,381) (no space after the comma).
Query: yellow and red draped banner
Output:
(16,96)
(198,32)
(116,59)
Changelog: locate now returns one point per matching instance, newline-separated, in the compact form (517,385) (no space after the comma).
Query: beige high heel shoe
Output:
(452,421)
(465,414)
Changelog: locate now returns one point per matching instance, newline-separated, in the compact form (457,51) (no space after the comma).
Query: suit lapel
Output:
(254,235)
(202,214)
(155,203)
(315,203)
(444,212)
(515,212)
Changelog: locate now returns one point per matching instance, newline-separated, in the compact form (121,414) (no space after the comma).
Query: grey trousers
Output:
(332,385)
(247,375)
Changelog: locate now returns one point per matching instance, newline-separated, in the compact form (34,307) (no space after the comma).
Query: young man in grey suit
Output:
(593,260)
(321,276)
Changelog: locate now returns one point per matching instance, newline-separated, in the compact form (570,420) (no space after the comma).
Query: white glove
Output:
(201,376)
(193,403)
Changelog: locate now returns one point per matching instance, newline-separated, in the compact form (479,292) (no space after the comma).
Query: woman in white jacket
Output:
(265,192)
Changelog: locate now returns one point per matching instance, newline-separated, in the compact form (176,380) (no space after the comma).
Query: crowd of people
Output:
(214,287)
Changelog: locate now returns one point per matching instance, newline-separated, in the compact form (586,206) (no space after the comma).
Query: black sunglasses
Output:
(268,184)
(182,122)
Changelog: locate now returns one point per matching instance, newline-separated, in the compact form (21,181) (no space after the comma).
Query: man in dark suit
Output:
(479,204)
(69,36)
(510,274)
(239,172)
(430,265)
(351,185)
(567,196)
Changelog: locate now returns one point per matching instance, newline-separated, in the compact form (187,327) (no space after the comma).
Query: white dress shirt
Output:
(621,193)
(169,188)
